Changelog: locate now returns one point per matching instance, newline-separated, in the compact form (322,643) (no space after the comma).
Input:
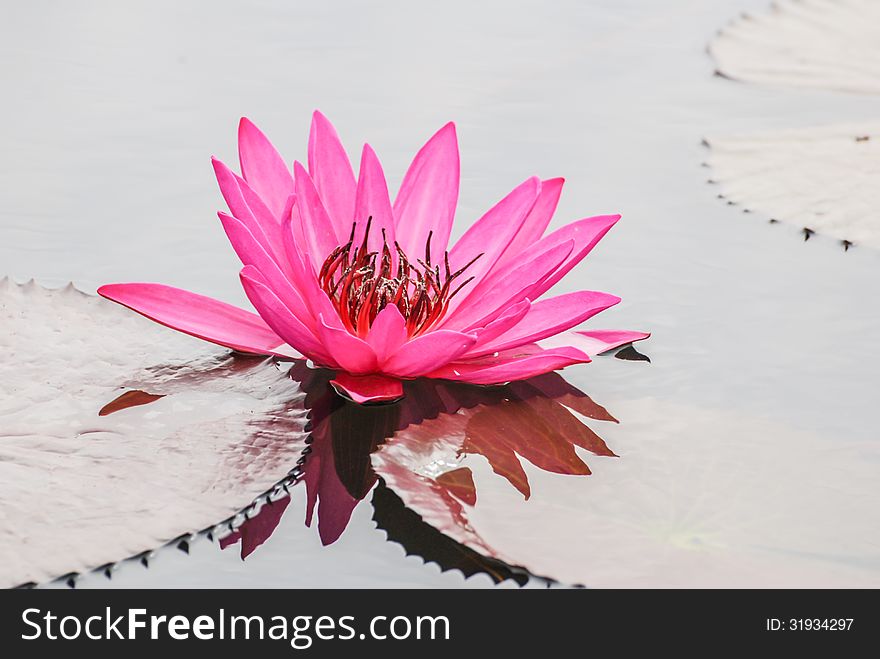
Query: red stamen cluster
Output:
(360,284)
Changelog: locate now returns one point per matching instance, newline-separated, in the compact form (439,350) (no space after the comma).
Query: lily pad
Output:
(825,44)
(697,498)
(822,180)
(119,435)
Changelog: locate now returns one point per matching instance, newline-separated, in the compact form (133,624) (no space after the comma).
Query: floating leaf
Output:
(805,43)
(407,529)
(81,490)
(422,463)
(701,497)
(819,179)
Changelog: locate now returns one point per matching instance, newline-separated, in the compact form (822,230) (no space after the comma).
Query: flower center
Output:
(361,283)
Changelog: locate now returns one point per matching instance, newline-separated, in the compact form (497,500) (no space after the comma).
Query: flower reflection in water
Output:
(434,429)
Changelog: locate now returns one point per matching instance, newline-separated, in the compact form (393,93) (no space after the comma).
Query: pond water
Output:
(748,446)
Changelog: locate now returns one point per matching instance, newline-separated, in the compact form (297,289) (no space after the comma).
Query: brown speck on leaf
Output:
(129,399)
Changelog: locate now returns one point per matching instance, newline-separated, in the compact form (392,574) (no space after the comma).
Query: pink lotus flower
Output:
(341,275)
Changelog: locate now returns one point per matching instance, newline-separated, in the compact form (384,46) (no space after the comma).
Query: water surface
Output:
(748,443)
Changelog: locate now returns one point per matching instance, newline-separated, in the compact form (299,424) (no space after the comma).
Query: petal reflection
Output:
(415,450)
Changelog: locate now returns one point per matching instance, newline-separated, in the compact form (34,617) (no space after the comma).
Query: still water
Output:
(747,449)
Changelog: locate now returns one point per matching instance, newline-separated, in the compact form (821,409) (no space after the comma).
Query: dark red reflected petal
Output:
(256,530)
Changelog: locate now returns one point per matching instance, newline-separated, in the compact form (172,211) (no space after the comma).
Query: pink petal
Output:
(247,207)
(316,227)
(428,352)
(200,316)
(509,286)
(507,368)
(388,332)
(537,220)
(492,234)
(428,195)
(585,233)
(263,167)
(251,252)
(368,388)
(279,317)
(230,190)
(352,353)
(255,202)
(288,209)
(594,342)
(272,226)
(332,173)
(506,321)
(549,317)
(373,201)
(306,278)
